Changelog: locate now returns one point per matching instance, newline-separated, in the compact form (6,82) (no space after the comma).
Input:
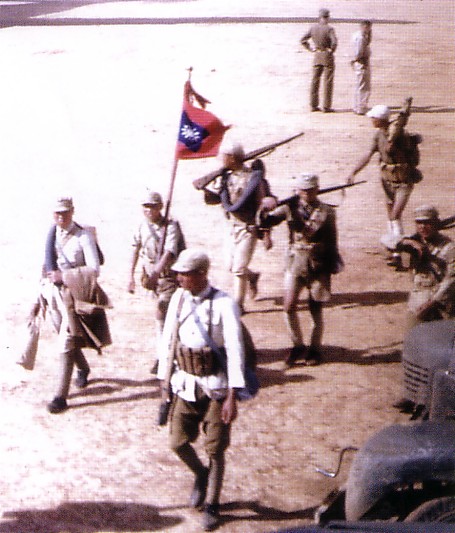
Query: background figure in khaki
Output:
(432,296)
(156,275)
(321,40)
(360,62)
(199,317)
(312,258)
(397,162)
(243,191)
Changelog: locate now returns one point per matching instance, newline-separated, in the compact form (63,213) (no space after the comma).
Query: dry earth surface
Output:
(91,95)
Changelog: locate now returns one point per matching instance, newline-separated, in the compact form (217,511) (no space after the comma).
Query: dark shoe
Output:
(253,284)
(312,358)
(297,352)
(314,109)
(328,110)
(405,406)
(199,489)
(81,380)
(58,405)
(211,517)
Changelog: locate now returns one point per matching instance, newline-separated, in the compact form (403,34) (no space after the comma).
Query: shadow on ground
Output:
(88,517)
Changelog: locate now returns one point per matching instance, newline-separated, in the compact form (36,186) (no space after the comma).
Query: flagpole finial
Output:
(190,70)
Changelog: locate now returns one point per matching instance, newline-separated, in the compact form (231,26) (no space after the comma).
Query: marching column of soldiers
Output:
(200,355)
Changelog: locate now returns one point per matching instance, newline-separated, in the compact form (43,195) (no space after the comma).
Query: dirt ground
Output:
(91,95)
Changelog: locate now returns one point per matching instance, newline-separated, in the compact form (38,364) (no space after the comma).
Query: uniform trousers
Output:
(327,72)
(362,88)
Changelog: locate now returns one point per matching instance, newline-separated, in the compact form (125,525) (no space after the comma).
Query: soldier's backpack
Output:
(410,145)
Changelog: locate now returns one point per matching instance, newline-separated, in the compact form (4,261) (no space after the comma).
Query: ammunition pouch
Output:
(397,172)
(198,362)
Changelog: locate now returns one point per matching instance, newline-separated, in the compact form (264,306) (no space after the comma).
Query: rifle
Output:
(202,182)
(294,197)
(447,223)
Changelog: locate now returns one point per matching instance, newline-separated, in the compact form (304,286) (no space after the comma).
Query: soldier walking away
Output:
(75,300)
(243,192)
(321,40)
(312,258)
(156,274)
(398,161)
(360,63)
(201,316)
(432,296)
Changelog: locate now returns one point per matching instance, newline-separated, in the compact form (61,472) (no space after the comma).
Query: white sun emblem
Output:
(189,133)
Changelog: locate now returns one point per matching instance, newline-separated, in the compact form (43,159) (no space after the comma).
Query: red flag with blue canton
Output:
(200,132)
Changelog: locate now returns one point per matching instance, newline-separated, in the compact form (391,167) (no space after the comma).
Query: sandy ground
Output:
(91,94)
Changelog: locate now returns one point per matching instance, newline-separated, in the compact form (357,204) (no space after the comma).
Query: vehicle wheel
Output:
(437,510)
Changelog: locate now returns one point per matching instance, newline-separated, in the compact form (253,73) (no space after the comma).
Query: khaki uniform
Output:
(147,240)
(361,64)
(324,45)
(243,234)
(311,259)
(433,279)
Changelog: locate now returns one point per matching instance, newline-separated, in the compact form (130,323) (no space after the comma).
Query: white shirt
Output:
(225,330)
(360,47)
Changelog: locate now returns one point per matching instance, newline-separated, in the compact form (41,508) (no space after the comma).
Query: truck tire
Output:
(437,510)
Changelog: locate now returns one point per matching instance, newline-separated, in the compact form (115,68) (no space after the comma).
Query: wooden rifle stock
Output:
(202,182)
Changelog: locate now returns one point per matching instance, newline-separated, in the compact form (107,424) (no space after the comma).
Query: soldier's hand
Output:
(55,276)
(267,240)
(229,408)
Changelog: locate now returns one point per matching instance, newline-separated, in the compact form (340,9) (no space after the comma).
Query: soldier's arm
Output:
(397,126)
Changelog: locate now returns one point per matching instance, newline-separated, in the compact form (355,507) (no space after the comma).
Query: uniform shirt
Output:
(225,331)
(147,240)
(434,274)
(324,40)
(76,247)
(361,48)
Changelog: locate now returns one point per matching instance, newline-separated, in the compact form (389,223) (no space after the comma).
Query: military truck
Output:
(406,472)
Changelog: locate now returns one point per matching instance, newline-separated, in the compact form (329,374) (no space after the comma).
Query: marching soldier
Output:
(311,260)
(398,161)
(200,319)
(156,276)
(243,191)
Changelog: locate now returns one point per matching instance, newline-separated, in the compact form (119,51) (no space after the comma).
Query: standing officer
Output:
(311,260)
(72,265)
(432,296)
(323,45)
(243,191)
(204,388)
(360,62)
(398,170)
(157,275)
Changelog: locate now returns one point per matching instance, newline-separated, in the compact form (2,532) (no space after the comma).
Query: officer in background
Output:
(204,389)
(156,274)
(321,40)
(360,63)
(312,258)
(243,191)
(432,254)
(398,170)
